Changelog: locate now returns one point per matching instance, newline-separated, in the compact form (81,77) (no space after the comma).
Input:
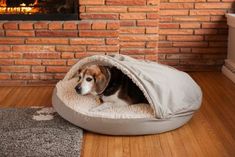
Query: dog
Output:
(110,84)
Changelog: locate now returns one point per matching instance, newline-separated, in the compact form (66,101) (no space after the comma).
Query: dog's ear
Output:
(102,80)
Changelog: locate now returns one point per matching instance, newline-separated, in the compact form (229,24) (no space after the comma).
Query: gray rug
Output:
(37,132)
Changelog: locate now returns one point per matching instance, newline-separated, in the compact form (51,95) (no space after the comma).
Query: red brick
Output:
(103,48)
(57,69)
(38,69)
(99,25)
(41,55)
(191,18)
(10,25)
(132,30)
(26,25)
(143,9)
(126,2)
(2,33)
(99,16)
(22,76)
(214,25)
(173,56)
(10,55)
(88,33)
(190,44)
(138,37)
(46,76)
(216,38)
(175,31)
(165,18)
(5,48)
(165,44)
(127,23)
(176,6)
(218,18)
(206,31)
(131,16)
(33,48)
(114,25)
(209,50)
(112,41)
(56,33)
(16,33)
(207,12)
(153,16)
(169,25)
(174,12)
(132,44)
(110,9)
(73,61)
(153,2)
(190,25)
(213,5)
(185,38)
(67,55)
(86,41)
(27,62)
(151,44)
(53,62)
(59,76)
(93,2)
(5,76)
(138,51)
(218,44)
(151,57)
(169,50)
(84,25)
(46,41)
(70,48)
(55,25)
(15,69)
(6,62)
(71,25)
(41,25)
(78,55)
(147,23)
(11,40)
(152,30)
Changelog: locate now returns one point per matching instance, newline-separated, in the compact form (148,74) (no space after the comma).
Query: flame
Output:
(22,9)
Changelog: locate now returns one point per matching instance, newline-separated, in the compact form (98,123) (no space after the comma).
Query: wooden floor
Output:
(210,133)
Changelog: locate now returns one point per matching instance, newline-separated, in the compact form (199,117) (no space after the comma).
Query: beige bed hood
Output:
(170,92)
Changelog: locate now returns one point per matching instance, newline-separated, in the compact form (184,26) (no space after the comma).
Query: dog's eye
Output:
(88,79)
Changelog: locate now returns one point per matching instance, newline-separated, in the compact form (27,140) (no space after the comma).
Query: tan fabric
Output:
(170,92)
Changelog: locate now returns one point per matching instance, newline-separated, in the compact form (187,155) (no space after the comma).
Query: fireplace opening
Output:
(38,10)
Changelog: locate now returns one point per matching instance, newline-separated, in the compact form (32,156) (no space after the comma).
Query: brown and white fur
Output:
(110,84)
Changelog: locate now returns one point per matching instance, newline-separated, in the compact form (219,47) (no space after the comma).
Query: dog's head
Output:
(92,80)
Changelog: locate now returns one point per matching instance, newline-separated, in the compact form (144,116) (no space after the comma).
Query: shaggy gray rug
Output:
(37,132)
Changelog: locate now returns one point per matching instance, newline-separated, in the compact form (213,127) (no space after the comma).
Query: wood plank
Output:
(211,132)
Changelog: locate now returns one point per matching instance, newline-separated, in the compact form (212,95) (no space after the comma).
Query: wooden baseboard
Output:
(227,72)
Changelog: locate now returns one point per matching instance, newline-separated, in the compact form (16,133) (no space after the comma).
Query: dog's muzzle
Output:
(78,89)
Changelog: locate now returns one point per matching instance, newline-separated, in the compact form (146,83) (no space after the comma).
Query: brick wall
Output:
(42,52)
(193,33)
(193,36)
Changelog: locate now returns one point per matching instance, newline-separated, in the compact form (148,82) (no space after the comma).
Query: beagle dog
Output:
(110,84)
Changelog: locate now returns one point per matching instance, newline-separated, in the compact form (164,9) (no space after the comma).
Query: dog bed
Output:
(173,98)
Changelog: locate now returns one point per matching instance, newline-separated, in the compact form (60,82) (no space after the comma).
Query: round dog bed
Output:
(173,97)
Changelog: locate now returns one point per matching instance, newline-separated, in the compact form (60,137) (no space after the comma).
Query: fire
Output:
(22,9)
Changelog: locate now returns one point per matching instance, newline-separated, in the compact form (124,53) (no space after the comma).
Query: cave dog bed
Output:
(173,98)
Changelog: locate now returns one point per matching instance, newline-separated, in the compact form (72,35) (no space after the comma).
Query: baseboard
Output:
(227,72)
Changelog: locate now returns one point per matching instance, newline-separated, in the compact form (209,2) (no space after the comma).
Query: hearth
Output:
(38,10)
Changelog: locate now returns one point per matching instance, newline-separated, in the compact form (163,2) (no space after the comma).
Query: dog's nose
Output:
(78,89)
